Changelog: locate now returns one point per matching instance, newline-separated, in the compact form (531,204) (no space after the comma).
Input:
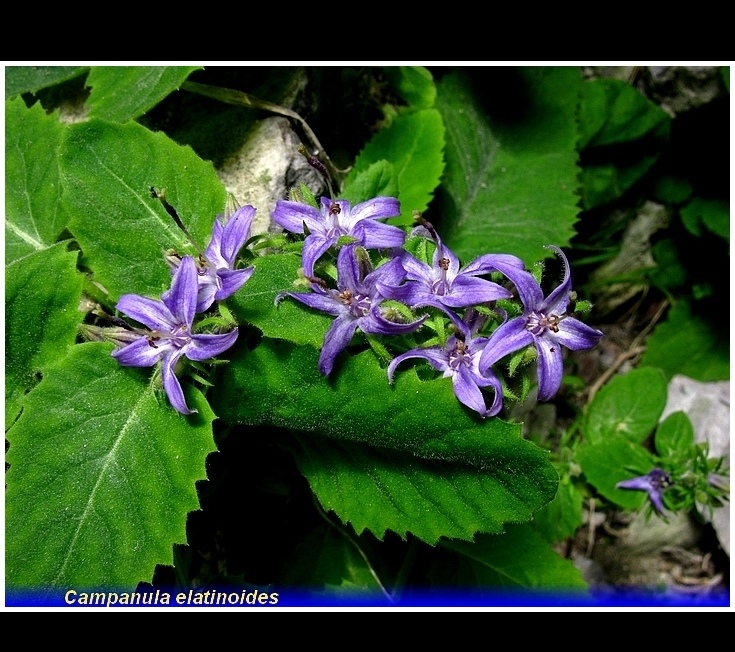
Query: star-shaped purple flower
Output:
(654,482)
(337,218)
(444,285)
(170,336)
(544,323)
(459,360)
(218,278)
(355,303)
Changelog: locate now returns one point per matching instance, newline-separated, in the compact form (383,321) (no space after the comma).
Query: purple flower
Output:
(218,278)
(459,360)
(335,219)
(170,336)
(654,482)
(544,323)
(355,303)
(444,285)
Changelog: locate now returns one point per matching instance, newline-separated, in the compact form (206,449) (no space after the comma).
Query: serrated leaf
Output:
(378,180)
(290,320)
(562,516)
(414,145)
(102,476)
(414,84)
(675,435)
(121,93)
(511,177)
(629,405)
(688,344)
(42,293)
(518,559)
(34,217)
(24,79)
(108,172)
(614,460)
(378,490)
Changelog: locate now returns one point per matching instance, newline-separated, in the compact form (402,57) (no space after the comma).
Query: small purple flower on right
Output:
(654,482)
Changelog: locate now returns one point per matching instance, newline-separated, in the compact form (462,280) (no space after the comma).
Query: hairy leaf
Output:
(629,405)
(511,177)
(518,559)
(34,216)
(414,145)
(121,93)
(42,293)
(102,476)
(24,79)
(108,173)
(562,516)
(378,489)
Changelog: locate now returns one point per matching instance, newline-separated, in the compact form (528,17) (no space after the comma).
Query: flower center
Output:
(335,229)
(441,285)
(538,323)
(460,355)
(358,304)
(178,337)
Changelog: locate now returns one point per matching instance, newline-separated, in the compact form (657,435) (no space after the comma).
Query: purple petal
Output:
(236,232)
(507,338)
(558,300)
(416,270)
(348,269)
(468,392)
(205,346)
(435,356)
(471,291)
(376,235)
(390,274)
(442,251)
(528,288)
(314,246)
(375,209)
(207,290)
(213,253)
(576,335)
(336,340)
(232,281)
(150,312)
(413,294)
(493,263)
(141,353)
(550,367)
(324,302)
(291,216)
(375,324)
(171,383)
(181,299)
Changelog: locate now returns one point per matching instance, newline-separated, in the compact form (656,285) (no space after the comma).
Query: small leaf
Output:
(518,559)
(378,490)
(102,476)
(378,180)
(42,293)
(34,216)
(414,145)
(109,172)
(688,344)
(562,517)
(713,214)
(629,405)
(414,84)
(674,435)
(121,93)
(614,460)
(511,178)
(24,79)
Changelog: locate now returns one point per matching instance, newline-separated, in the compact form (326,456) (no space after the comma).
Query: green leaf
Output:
(414,145)
(713,214)
(414,84)
(121,93)
(108,173)
(34,217)
(102,476)
(687,344)
(614,460)
(42,293)
(290,320)
(379,180)
(518,559)
(562,517)
(629,405)
(674,435)
(24,79)
(378,490)
(511,178)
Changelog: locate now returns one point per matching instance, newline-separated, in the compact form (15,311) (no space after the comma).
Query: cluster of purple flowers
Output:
(360,299)
(195,286)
